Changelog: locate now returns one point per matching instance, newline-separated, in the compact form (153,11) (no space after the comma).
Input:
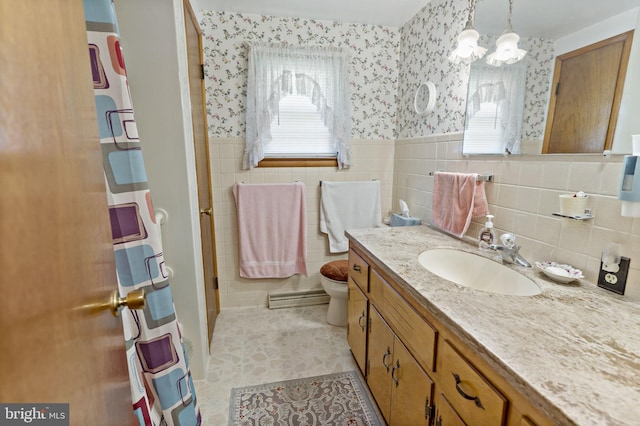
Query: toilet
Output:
(333,277)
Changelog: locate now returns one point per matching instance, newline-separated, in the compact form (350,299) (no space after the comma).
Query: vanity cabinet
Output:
(418,370)
(357,318)
(404,392)
(358,308)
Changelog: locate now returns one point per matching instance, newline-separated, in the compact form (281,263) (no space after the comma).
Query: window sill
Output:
(298,162)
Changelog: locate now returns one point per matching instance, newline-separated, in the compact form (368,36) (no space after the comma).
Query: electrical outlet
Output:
(615,282)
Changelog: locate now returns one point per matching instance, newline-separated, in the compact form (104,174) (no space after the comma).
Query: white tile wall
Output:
(524,196)
(373,160)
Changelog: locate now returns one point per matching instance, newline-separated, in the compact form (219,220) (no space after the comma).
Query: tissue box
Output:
(397,220)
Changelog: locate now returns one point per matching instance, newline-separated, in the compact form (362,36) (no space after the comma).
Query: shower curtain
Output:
(161,385)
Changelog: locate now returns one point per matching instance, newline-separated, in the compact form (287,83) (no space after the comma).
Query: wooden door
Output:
(56,254)
(380,358)
(585,100)
(203,166)
(357,319)
(445,414)
(412,395)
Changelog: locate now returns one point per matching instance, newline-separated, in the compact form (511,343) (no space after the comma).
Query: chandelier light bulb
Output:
(507,51)
(467,50)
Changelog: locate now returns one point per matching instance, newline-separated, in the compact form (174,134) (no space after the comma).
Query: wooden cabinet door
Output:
(379,362)
(445,414)
(357,319)
(412,390)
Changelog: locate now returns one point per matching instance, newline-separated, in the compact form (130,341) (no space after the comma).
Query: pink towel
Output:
(272,229)
(457,198)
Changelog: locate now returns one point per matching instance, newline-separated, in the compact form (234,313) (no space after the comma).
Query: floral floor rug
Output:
(338,399)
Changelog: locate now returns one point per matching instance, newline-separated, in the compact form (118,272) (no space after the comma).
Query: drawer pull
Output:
(356,268)
(384,357)
(393,372)
(465,395)
(362,317)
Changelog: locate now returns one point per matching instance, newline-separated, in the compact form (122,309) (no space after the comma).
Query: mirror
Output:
(549,28)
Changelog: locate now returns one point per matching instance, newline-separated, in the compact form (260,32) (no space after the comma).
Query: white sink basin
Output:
(477,272)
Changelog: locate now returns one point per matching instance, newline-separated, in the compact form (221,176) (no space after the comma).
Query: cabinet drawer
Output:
(470,394)
(417,334)
(359,271)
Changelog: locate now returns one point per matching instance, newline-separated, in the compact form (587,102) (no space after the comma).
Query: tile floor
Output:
(256,345)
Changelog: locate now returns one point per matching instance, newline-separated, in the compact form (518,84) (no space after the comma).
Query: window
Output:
(495,103)
(298,131)
(298,105)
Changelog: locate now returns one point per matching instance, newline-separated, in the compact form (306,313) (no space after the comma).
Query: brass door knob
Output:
(206,211)
(133,300)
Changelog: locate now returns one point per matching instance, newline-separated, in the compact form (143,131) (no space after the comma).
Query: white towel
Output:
(348,205)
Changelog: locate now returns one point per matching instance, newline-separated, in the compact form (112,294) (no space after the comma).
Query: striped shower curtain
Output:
(161,385)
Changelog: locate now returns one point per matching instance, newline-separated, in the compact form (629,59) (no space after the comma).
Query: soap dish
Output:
(559,272)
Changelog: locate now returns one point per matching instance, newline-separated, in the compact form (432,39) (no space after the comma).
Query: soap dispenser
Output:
(487,234)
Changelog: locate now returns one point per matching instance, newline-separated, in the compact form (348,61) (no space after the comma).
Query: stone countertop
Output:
(573,351)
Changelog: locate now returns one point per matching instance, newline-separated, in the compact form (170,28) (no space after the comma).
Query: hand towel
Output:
(457,198)
(272,229)
(348,205)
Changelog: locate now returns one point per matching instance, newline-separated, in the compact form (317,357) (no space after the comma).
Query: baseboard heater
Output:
(298,298)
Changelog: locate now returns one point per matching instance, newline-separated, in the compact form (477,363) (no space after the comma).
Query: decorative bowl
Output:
(559,272)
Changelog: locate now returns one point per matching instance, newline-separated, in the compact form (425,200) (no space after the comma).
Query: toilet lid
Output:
(337,270)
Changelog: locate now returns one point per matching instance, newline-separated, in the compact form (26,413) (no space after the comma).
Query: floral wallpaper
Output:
(425,43)
(386,67)
(373,70)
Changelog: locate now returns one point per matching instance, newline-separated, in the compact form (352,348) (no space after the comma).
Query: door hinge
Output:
(215,283)
(368,368)
(557,88)
(429,410)
(201,71)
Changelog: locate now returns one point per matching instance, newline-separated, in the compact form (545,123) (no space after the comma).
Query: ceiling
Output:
(391,13)
(536,18)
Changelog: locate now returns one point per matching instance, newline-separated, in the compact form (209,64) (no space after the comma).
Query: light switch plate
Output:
(615,282)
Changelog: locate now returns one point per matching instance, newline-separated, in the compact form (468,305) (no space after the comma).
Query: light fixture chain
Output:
(472,9)
(510,11)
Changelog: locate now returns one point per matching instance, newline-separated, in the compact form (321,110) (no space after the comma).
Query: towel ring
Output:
(424,100)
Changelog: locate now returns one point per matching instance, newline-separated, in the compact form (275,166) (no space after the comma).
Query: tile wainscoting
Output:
(524,195)
(373,160)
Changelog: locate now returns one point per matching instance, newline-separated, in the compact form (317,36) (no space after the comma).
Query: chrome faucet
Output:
(509,252)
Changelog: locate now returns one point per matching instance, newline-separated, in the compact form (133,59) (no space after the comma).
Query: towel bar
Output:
(371,179)
(480,178)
